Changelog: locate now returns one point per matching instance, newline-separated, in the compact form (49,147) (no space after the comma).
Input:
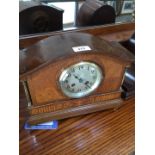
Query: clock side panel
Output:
(44,84)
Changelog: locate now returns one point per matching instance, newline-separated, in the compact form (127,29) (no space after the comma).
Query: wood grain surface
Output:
(42,64)
(100,133)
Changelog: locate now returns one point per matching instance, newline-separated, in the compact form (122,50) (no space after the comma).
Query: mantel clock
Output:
(72,74)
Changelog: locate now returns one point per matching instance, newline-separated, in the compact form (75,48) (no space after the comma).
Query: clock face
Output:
(80,79)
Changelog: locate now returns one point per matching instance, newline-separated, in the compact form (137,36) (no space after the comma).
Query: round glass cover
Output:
(80,79)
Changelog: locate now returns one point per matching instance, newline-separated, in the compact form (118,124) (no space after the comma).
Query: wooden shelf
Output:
(106,132)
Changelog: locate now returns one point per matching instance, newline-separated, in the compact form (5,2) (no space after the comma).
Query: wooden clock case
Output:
(42,64)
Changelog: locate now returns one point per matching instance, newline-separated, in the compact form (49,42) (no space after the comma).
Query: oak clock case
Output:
(60,82)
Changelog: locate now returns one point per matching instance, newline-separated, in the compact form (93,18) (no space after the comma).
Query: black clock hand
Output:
(80,79)
(76,77)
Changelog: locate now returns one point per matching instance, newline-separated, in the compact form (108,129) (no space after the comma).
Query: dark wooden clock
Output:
(72,74)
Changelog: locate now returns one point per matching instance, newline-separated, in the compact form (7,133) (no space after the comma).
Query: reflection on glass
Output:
(124,9)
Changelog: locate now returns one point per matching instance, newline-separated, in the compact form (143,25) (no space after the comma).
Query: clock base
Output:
(76,111)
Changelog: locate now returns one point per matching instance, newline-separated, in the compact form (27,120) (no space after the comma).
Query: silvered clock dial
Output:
(80,79)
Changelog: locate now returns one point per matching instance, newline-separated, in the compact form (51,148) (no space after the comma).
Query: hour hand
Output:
(80,79)
(76,77)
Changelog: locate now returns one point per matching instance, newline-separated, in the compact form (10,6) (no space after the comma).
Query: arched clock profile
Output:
(72,74)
